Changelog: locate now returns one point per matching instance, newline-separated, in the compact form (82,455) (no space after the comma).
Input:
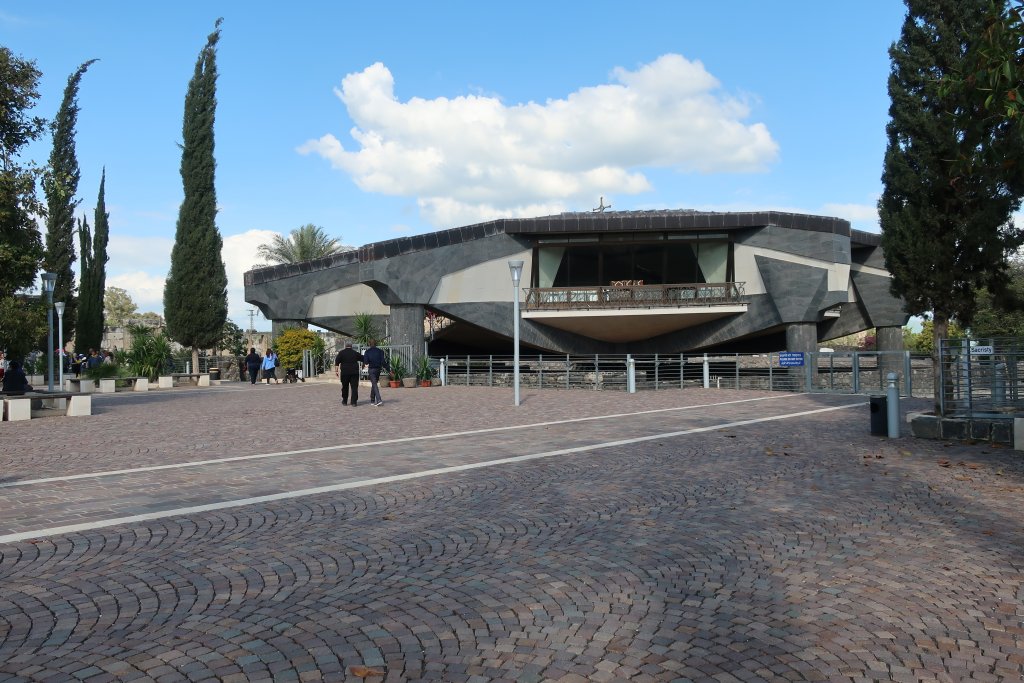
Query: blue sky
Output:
(378,120)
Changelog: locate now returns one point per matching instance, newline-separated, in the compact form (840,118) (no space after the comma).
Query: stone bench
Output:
(109,385)
(19,406)
(202,379)
(79,385)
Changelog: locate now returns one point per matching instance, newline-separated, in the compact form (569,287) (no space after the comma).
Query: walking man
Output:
(346,367)
(375,361)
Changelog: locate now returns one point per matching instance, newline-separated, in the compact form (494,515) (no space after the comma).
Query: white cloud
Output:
(143,253)
(472,158)
(145,289)
(239,254)
(861,216)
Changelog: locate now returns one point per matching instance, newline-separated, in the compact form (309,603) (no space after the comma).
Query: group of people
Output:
(78,362)
(255,364)
(346,368)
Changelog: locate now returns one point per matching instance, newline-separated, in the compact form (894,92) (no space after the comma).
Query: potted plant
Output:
(424,373)
(398,371)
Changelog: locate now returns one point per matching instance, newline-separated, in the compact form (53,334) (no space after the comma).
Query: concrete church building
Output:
(605,282)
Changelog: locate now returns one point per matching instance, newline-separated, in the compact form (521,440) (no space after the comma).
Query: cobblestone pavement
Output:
(267,533)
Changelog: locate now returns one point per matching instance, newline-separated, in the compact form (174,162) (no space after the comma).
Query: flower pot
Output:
(408,382)
(394,383)
(424,382)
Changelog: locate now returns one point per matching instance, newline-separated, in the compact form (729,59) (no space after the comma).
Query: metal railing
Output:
(633,296)
(842,372)
(982,377)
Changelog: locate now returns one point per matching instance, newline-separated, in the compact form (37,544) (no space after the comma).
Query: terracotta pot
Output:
(424,382)
(394,384)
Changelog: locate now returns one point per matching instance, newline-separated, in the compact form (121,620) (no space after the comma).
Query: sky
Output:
(382,120)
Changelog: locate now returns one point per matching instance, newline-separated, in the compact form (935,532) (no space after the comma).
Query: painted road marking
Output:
(365,444)
(177,512)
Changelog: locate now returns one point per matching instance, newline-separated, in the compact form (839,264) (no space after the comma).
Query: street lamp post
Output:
(60,342)
(49,279)
(516,268)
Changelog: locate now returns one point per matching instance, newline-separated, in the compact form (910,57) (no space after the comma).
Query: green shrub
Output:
(147,356)
(103,371)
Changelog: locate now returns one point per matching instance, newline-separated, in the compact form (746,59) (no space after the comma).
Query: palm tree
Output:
(303,244)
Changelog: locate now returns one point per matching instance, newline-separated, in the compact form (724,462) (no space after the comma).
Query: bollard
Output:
(443,372)
(630,374)
(893,400)
(707,373)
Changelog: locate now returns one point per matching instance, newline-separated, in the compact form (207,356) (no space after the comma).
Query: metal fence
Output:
(839,372)
(982,377)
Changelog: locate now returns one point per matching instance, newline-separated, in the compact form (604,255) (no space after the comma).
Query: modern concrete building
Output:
(609,283)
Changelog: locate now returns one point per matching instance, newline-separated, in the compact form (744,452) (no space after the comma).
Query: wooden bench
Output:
(108,385)
(19,406)
(202,379)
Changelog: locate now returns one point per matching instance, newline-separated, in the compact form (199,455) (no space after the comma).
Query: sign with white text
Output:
(791,359)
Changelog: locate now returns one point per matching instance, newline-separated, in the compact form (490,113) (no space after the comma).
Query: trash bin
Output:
(879,416)
(214,374)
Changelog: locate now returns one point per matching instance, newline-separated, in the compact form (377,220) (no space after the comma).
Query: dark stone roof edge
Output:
(607,221)
(863,238)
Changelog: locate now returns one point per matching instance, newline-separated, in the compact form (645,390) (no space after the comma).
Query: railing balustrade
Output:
(634,296)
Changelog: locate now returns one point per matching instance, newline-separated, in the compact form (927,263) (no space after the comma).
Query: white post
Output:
(60,341)
(516,268)
(630,374)
(893,406)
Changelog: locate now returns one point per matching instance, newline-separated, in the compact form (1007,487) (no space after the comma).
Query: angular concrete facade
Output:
(794,280)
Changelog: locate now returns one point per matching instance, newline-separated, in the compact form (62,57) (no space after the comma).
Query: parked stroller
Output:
(294,375)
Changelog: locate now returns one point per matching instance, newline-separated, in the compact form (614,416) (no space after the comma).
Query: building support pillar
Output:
(802,337)
(890,339)
(405,325)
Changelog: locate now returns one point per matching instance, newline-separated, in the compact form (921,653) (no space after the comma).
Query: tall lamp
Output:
(60,342)
(49,279)
(516,268)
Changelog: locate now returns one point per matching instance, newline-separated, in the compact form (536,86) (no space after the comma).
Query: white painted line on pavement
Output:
(338,447)
(177,512)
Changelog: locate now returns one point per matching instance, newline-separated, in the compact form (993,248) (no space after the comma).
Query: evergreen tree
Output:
(60,184)
(948,195)
(94,275)
(21,248)
(195,295)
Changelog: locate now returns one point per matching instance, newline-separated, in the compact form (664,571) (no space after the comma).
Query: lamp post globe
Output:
(516,269)
(49,279)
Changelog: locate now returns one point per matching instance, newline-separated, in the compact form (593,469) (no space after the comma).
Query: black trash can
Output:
(214,374)
(879,416)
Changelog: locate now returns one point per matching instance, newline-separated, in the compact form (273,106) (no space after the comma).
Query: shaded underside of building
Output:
(608,283)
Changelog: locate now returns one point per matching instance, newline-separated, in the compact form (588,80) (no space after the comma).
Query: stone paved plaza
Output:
(243,533)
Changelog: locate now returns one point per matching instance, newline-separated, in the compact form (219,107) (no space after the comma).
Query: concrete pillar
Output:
(279,326)
(890,339)
(802,337)
(405,325)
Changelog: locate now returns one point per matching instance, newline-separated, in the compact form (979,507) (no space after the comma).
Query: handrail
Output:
(634,296)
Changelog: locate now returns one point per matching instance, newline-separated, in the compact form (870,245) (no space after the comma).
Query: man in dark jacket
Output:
(346,367)
(15,380)
(375,361)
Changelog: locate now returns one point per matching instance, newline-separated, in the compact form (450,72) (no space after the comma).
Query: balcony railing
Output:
(633,296)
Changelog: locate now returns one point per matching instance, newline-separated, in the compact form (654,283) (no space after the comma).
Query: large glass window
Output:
(668,262)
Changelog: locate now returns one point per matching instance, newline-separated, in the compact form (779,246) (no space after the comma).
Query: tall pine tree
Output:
(948,193)
(94,274)
(195,295)
(60,184)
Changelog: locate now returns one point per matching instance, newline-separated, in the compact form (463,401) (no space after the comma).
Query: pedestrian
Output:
(252,364)
(375,360)
(346,367)
(269,363)
(15,380)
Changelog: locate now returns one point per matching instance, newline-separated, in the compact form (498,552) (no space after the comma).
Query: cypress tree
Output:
(94,274)
(948,192)
(60,184)
(195,294)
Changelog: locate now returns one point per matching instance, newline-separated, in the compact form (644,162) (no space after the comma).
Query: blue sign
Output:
(791,359)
